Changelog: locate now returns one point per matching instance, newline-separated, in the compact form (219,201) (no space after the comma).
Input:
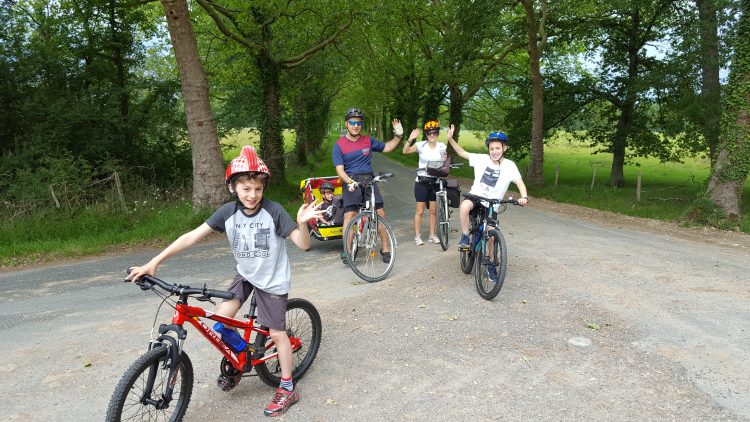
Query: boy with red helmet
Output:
(256,228)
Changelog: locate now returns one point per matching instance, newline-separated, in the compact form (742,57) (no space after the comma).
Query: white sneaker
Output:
(433,239)
(418,241)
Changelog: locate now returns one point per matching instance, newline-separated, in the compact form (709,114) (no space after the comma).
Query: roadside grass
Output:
(668,190)
(54,234)
(155,218)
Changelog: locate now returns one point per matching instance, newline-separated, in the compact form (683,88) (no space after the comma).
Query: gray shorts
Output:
(271,308)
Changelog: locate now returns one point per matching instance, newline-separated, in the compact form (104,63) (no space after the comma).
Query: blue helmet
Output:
(496,137)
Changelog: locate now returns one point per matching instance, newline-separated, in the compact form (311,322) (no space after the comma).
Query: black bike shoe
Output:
(228,383)
(386,256)
(344,259)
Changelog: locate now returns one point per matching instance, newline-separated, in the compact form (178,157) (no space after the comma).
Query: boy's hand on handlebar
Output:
(137,272)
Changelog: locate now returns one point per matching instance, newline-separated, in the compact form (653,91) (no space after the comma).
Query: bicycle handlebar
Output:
(491,201)
(180,290)
(377,179)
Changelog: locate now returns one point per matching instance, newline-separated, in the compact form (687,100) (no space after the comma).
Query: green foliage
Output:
(735,134)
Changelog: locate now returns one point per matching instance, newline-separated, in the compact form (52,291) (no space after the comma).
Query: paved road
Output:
(672,343)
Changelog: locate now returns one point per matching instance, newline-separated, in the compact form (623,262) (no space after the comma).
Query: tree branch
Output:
(208,7)
(301,58)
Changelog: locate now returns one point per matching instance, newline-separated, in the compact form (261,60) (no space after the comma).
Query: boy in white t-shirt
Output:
(492,176)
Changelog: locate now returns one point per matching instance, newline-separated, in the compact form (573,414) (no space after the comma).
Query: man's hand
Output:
(352,185)
(398,130)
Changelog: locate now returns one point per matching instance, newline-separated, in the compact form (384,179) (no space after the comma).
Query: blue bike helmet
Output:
(496,137)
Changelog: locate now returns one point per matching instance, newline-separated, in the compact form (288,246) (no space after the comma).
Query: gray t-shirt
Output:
(257,242)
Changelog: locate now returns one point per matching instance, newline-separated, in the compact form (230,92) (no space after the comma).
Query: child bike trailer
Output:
(310,189)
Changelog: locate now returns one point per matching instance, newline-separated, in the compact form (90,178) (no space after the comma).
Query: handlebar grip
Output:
(221,294)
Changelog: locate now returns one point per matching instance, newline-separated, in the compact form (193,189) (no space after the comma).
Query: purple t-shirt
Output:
(257,242)
(356,156)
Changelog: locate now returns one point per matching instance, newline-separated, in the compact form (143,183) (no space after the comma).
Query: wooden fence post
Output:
(118,186)
(54,197)
(638,188)
(557,174)
(593,178)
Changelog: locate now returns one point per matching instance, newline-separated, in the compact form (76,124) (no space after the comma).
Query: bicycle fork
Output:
(174,349)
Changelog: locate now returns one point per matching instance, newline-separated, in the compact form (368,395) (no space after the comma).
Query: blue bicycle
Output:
(487,252)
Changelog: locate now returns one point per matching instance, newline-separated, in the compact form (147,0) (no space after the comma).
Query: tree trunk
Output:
(456,111)
(626,107)
(271,139)
(733,163)
(619,143)
(209,189)
(710,83)
(725,194)
(536,165)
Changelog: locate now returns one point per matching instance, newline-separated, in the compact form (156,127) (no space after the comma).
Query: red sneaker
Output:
(281,402)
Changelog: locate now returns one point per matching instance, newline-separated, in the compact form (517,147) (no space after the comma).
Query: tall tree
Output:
(625,70)
(710,82)
(537,40)
(208,181)
(278,35)
(733,161)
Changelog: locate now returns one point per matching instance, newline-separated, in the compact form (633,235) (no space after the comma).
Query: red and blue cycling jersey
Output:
(356,156)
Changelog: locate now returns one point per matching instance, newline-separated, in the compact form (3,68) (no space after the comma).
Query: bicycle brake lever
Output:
(206,299)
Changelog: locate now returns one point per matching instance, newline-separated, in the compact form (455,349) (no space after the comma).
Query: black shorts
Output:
(271,308)
(424,192)
(354,200)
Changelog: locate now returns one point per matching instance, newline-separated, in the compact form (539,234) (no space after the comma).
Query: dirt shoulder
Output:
(709,235)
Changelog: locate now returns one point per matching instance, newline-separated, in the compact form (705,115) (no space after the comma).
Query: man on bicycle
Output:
(352,156)
(256,228)
(492,176)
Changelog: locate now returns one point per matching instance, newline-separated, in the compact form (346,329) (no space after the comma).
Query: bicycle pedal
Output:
(228,383)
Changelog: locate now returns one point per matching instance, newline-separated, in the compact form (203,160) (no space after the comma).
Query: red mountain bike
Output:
(158,385)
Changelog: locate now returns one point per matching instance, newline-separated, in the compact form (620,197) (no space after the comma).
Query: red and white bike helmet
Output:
(247,162)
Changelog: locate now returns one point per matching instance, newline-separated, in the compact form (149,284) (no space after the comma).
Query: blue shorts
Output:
(354,200)
(424,192)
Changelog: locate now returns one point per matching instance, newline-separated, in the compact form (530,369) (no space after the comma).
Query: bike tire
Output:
(302,322)
(126,402)
(487,288)
(365,259)
(443,222)
(468,255)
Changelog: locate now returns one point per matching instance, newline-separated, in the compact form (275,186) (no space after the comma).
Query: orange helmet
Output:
(247,162)
(432,125)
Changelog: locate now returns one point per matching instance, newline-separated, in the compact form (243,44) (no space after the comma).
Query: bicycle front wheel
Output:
(442,220)
(304,329)
(365,239)
(491,265)
(468,255)
(139,396)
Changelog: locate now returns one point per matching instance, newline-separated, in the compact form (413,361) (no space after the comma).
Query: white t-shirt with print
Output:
(257,242)
(490,180)
(429,154)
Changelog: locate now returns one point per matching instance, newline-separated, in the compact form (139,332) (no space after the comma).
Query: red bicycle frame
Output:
(193,314)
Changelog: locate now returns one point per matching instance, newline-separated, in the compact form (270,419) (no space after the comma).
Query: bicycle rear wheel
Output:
(364,248)
(493,253)
(443,223)
(303,324)
(139,394)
